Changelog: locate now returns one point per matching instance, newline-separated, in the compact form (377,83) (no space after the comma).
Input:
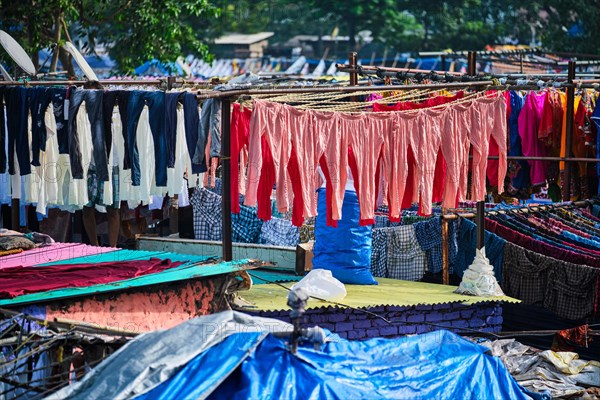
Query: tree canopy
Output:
(135,32)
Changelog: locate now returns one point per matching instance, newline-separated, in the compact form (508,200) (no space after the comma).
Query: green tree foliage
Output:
(563,25)
(137,31)
(134,31)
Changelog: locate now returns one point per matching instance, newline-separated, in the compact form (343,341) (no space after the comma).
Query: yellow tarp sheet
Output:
(389,292)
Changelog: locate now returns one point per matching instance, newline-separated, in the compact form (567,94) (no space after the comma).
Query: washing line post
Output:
(445,245)
(352,60)
(226,178)
(569,131)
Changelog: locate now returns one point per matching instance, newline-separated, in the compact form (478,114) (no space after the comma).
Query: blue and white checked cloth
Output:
(279,232)
(206,207)
(379,253)
(245,226)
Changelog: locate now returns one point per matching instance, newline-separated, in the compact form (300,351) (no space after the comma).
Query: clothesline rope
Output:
(359,107)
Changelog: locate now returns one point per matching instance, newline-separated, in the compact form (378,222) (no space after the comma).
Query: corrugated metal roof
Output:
(389,292)
(241,38)
(265,276)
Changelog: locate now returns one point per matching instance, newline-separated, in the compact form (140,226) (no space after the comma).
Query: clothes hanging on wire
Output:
(356,141)
(550,254)
(54,138)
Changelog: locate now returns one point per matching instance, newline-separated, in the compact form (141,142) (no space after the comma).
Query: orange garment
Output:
(395,160)
(455,148)
(488,122)
(268,122)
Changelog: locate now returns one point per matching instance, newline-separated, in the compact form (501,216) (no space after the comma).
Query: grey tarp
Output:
(153,357)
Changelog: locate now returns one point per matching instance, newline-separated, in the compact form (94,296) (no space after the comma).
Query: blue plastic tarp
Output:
(155,67)
(201,375)
(345,250)
(437,365)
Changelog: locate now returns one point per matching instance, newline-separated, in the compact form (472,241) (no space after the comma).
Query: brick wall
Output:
(407,320)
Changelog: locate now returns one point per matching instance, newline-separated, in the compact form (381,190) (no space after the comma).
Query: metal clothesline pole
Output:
(80,83)
(227,239)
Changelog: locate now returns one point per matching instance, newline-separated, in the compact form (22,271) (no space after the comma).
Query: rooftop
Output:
(242,38)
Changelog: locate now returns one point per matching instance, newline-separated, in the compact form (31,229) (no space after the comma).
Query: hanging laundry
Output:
(405,259)
(429,237)
(17,128)
(93,105)
(467,243)
(268,141)
(155,100)
(377,148)
(240,130)
(518,170)
(207,214)
(279,232)
(305,151)
(455,149)
(489,123)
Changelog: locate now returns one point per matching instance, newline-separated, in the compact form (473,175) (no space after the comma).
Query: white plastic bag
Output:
(321,283)
(479,279)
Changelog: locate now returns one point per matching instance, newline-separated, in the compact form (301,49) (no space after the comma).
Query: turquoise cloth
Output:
(269,276)
(180,273)
(128,255)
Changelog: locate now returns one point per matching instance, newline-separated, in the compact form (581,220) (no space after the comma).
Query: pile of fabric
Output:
(13,242)
(559,374)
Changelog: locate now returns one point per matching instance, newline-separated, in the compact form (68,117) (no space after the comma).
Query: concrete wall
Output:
(354,324)
(281,256)
(145,309)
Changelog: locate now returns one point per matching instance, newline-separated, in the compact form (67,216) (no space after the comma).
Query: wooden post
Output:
(445,257)
(226,178)
(353,66)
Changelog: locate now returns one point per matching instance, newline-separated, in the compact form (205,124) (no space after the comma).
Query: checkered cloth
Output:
(525,274)
(396,254)
(206,207)
(452,243)
(569,290)
(412,218)
(217,188)
(245,226)
(381,221)
(473,204)
(282,215)
(405,259)
(429,236)
(572,290)
(279,232)
(379,253)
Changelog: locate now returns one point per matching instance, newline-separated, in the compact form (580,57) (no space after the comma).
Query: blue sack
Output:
(345,250)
